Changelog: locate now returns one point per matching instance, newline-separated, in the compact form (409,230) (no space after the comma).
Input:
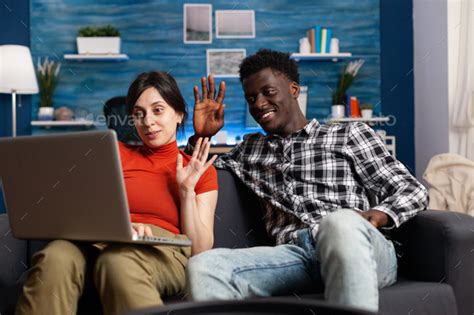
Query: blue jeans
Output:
(350,257)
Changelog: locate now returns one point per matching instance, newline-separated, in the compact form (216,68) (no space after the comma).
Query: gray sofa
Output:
(436,263)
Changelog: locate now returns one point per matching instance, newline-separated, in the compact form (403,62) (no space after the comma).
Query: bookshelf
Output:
(90,57)
(354,119)
(63,123)
(320,56)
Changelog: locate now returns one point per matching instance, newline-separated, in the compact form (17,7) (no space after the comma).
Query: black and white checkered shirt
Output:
(320,169)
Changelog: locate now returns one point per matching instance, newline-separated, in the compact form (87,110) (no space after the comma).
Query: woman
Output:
(169,193)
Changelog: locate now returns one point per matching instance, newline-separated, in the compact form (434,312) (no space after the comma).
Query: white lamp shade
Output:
(17,73)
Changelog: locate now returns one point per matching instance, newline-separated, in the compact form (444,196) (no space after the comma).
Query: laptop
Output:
(68,186)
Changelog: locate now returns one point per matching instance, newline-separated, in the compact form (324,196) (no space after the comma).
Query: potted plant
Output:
(98,40)
(347,77)
(366,111)
(48,77)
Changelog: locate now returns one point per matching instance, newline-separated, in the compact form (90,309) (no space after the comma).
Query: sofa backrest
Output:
(238,222)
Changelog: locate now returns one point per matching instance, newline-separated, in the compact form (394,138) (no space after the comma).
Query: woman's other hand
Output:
(188,176)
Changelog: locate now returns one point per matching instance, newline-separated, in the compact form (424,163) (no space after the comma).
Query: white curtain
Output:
(462,108)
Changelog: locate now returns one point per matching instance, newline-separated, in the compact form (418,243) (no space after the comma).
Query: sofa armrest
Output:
(438,246)
(13,254)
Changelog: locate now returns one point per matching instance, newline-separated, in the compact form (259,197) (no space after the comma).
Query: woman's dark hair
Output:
(267,58)
(165,84)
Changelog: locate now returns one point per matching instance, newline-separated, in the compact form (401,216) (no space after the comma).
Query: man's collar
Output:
(310,130)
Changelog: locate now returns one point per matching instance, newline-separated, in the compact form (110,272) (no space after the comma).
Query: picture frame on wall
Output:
(197,23)
(235,24)
(224,63)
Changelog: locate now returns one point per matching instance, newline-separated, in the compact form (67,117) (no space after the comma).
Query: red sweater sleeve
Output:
(207,182)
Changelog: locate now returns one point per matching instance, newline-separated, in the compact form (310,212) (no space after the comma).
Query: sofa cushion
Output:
(238,220)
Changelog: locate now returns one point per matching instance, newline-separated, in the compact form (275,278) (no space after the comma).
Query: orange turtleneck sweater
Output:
(150,180)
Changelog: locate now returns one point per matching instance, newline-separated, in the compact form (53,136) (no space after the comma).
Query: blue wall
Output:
(151,32)
(15,29)
(396,20)
(393,67)
(14,26)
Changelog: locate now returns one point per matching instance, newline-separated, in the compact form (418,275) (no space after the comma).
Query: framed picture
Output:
(224,63)
(235,24)
(197,23)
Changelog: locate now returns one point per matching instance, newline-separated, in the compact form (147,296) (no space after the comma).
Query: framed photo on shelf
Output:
(197,23)
(224,63)
(235,24)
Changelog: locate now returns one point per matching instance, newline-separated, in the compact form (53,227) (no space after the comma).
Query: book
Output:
(311,38)
(328,40)
(355,111)
(347,102)
(323,40)
(317,31)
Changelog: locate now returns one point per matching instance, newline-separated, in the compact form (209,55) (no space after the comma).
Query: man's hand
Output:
(208,116)
(376,218)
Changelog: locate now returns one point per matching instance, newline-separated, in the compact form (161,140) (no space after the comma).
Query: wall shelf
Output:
(90,57)
(353,119)
(63,123)
(320,56)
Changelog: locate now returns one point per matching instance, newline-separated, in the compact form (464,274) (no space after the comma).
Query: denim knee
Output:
(342,231)
(207,262)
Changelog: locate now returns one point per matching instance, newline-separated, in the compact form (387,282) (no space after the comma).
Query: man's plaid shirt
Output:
(319,169)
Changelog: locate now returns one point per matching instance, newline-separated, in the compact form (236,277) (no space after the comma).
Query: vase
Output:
(338,111)
(98,45)
(366,113)
(45,113)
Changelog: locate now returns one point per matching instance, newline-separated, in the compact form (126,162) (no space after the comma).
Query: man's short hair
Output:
(267,58)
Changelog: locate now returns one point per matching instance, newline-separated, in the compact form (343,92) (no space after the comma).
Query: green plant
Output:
(103,31)
(366,106)
(48,77)
(347,77)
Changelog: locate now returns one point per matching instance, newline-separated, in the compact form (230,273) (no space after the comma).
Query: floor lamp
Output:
(17,75)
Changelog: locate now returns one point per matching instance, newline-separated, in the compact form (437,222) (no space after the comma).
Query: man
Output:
(313,181)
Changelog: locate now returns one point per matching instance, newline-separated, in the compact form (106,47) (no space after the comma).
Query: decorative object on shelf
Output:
(45,113)
(334,46)
(235,24)
(17,75)
(98,40)
(352,107)
(305,46)
(63,113)
(224,63)
(366,111)
(221,137)
(197,23)
(82,113)
(347,77)
(303,99)
(48,77)
(338,111)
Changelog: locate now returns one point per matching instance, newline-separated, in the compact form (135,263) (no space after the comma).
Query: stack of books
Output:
(320,39)
(352,106)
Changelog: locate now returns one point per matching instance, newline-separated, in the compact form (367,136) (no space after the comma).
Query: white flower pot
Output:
(98,45)
(366,113)
(338,111)
(45,113)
